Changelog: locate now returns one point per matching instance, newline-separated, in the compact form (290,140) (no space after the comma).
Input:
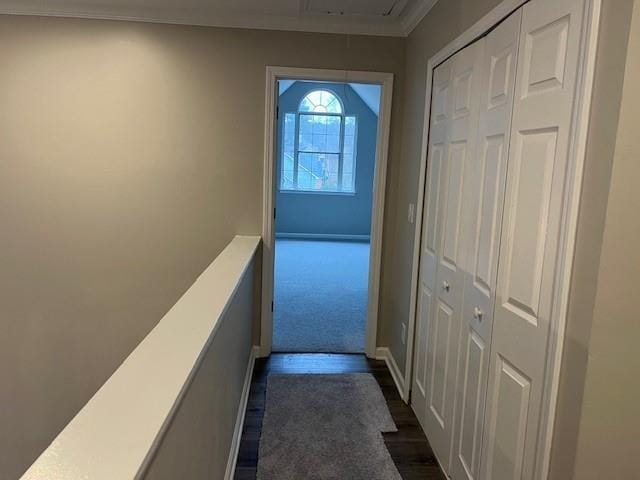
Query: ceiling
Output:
(372,17)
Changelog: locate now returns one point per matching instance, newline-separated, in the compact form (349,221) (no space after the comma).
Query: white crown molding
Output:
(305,23)
(416,12)
(396,26)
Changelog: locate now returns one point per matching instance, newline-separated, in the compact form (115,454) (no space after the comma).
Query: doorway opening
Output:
(325,168)
(326,151)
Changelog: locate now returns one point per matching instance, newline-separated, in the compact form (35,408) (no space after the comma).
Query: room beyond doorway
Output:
(326,141)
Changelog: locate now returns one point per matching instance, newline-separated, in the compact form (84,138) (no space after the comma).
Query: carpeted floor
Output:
(320,298)
(320,427)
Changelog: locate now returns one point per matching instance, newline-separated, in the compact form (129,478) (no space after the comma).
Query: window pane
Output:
(289,133)
(349,144)
(321,101)
(286,182)
(349,125)
(288,149)
(349,157)
(319,124)
(305,162)
(322,137)
(321,147)
(333,143)
(306,105)
(304,180)
(347,166)
(333,125)
(306,124)
(334,106)
(347,183)
(287,162)
(318,171)
(319,143)
(306,143)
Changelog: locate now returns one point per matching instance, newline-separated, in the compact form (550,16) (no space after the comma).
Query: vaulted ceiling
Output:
(373,17)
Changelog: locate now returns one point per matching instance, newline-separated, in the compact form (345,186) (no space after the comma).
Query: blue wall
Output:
(324,213)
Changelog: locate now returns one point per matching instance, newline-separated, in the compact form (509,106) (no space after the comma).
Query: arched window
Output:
(319,146)
(320,101)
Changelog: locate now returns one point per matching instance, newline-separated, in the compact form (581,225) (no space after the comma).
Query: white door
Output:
(453,126)
(438,147)
(484,199)
(545,87)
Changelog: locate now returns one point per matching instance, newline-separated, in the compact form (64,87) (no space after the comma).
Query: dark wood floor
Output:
(408,446)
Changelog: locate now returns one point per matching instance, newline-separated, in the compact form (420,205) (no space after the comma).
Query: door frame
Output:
(573,188)
(385,80)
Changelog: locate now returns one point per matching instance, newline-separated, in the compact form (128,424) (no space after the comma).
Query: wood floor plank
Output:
(408,447)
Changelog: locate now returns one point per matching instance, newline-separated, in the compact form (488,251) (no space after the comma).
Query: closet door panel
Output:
(483,207)
(442,342)
(431,234)
(545,87)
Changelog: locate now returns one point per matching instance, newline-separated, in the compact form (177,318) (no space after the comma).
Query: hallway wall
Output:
(325,213)
(131,155)
(598,427)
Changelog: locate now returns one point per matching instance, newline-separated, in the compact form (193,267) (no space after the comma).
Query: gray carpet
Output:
(320,427)
(320,298)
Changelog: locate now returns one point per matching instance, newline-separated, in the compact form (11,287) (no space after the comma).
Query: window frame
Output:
(296,148)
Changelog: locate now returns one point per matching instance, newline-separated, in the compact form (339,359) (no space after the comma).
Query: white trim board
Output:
(413,17)
(273,74)
(242,410)
(324,236)
(384,353)
(580,124)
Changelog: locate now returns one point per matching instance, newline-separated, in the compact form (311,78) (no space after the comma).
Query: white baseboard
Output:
(324,236)
(383,353)
(242,408)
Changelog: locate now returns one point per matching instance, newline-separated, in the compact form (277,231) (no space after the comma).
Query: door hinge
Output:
(272,305)
(274,213)
(277,113)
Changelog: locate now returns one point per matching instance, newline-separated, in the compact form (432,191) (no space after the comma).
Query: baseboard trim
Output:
(324,236)
(383,353)
(242,408)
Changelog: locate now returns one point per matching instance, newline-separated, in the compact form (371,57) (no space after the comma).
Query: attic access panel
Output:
(370,8)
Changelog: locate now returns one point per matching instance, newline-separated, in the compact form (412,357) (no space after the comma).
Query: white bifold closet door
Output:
(497,158)
(454,122)
(484,201)
(529,249)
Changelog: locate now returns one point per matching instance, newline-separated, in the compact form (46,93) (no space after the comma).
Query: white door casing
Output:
(385,80)
(538,160)
(455,117)
(484,200)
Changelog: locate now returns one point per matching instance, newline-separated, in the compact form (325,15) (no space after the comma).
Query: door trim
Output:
(385,80)
(573,188)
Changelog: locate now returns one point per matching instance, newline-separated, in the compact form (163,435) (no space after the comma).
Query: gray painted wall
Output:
(130,155)
(324,213)
(597,424)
